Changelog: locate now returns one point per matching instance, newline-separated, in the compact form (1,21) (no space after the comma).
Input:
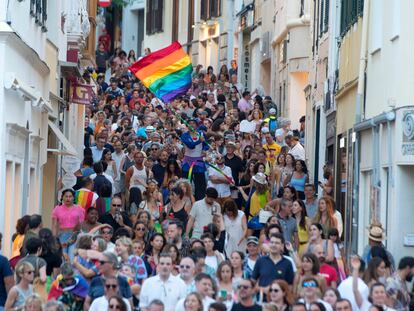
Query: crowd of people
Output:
(203,203)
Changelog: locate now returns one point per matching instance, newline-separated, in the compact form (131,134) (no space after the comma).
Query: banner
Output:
(82,94)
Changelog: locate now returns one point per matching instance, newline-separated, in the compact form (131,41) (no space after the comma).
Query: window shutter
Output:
(320,20)
(215,6)
(203,10)
(326,16)
(149,15)
(159,15)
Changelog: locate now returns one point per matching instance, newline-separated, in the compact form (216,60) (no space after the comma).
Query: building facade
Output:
(384,134)
(37,125)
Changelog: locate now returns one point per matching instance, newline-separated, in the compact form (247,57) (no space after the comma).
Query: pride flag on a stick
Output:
(166,72)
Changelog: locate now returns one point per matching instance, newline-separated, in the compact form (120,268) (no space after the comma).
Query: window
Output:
(350,11)
(155,13)
(376,29)
(323,16)
(302,8)
(210,9)
(38,10)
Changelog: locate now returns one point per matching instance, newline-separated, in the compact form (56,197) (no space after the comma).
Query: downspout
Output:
(358,119)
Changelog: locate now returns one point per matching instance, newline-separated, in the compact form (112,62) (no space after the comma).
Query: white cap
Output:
(279,132)
(272,111)
(265,130)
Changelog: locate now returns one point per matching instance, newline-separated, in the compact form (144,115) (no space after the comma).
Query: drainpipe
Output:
(358,117)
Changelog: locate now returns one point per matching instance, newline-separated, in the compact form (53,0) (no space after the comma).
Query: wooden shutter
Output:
(158,15)
(215,6)
(203,9)
(148,22)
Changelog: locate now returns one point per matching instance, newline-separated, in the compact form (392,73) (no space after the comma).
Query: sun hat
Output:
(260,178)
(376,232)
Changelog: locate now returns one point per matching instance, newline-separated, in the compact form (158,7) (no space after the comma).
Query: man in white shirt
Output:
(164,286)
(187,271)
(202,213)
(296,149)
(204,286)
(218,181)
(346,291)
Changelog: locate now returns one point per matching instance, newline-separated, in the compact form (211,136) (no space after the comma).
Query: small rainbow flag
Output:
(166,72)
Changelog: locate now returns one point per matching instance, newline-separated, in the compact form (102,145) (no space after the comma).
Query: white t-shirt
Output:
(102,303)
(224,188)
(345,289)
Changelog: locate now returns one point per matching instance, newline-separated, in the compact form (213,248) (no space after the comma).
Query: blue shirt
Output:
(5,271)
(266,271)
(96,288)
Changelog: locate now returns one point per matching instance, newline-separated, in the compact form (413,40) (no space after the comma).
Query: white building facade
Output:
(37,127)
(385,135)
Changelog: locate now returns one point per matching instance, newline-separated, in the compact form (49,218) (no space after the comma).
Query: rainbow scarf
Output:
(166,72)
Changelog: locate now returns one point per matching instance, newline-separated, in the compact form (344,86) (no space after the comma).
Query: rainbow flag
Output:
(166,72)
(85,198)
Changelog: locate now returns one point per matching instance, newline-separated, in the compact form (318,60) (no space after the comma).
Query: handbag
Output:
(255,224)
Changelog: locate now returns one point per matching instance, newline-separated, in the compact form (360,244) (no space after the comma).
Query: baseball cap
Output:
(252,239)
(150,128)
(279,132)
(265,130)
(272,111)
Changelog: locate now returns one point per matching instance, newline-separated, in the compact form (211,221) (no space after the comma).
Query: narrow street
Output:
(189,155)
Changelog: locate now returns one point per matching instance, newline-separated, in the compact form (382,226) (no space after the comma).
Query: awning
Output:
(68,149)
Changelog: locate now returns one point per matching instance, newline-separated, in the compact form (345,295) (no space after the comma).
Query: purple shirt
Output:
(244,105)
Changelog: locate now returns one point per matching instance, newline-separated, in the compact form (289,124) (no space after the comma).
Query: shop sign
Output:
(82,94)
(407,147)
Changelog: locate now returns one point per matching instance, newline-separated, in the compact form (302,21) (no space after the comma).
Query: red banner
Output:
(82,94)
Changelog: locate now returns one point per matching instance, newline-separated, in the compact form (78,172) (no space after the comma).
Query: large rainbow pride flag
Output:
(166,72)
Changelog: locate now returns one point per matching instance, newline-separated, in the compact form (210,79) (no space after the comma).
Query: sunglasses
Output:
(184,267)
(116,205)
(154,149)
(113,286)
(106,232)
(274,290)
(243,287)
(116,307)
(102,262)
(309,284)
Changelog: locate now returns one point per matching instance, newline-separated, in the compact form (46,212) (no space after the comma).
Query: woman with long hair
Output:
(178,208)
(51,253)
(123,248)
(331,296)
(325,214)
(152,201)
(21,227)
(299,178)
(65,218)
(287,170)
(280,294)
(117,303)
(316,237)
(174,252)
(235,223)
(224,276)
(173,171)
(23,289)
(246,180)
(236,260)
(111,164)
(308,269)
(299,213)
(277,174)
(140,232)
(188,196)
(154,248)
(375,272)
(131,57)
(193,302)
